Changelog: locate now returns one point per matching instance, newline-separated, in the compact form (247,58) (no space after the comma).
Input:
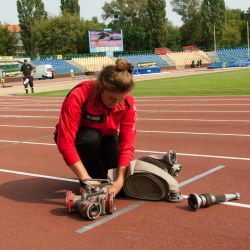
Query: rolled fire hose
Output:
(147,181)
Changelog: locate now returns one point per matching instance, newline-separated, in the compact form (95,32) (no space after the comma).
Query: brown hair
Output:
(116,78)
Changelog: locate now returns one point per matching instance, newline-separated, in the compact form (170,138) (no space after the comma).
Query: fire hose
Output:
(152,178)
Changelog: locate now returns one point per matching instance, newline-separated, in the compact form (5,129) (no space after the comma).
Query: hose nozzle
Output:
(196,201)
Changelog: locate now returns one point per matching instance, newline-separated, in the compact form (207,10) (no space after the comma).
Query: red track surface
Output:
(205,131)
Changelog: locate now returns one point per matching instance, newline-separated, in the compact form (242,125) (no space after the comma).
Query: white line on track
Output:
(29,142)
(190,104)
(140,119)
(139,131)
(195,155)
(192,111)
(142,110)
(128,208)
(37,110)
(138,150)
(25,126)
(185,100)
(28,116)
(30,100)
(33,105)
(38,175)
(183,183)
(192,120)
(192,133)
(138,105)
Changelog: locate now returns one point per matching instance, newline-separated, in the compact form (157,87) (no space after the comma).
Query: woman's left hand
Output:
(115,187)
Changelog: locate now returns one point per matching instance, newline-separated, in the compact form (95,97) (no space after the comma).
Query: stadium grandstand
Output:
(161,59)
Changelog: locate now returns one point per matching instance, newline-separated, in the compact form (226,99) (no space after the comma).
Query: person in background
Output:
(53,73)
(96,129)
(26,69)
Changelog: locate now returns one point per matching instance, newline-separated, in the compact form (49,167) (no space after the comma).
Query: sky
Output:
(90,8)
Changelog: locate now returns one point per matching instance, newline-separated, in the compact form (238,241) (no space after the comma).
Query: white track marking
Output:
(139,131)
(140,119)
(184,100)
(192,133)
(191,104)
(192,111)
(138,150)
(128,208)
(38,175)
(28,116)
(29,142)
(37,110)
(76,180)
(141,105)
(25,126)
(191,120)
(195,155)
(171,110)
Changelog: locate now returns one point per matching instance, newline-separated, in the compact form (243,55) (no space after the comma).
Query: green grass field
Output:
(212,84)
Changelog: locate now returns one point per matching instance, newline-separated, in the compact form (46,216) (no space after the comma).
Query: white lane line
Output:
(191,120)
(140,119)
(192,111)
(191,104)
(197,177)
(25,126)
(109,217)
(76,181)
(196,155)
(190,98)
(38,175)
(126,209)
(137,204)
(37,110)
(33,105)
(141,110)
(137,150)
(138,98)
(140,131)
(29,142)
(191,133)
(28,116)
(7,100)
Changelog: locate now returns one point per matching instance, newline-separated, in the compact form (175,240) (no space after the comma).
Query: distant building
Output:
(15,29)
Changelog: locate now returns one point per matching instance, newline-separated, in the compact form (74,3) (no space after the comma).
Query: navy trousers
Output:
(98,153)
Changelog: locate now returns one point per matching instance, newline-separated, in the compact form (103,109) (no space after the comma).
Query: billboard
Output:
(105,41)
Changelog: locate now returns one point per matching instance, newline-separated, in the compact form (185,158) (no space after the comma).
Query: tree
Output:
(62,35)
(245,17)
(70,6)
(173,37)
(157,23)
(7,42)
(189,10)
(213,14)
(132,17)
(29,11)
(233,27)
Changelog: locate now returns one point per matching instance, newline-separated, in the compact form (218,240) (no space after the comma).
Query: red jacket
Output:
(85,98)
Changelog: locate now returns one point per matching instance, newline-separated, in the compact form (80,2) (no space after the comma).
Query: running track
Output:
(211,136)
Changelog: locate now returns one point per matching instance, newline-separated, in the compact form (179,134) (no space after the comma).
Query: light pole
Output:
(214,40)
(248,40)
